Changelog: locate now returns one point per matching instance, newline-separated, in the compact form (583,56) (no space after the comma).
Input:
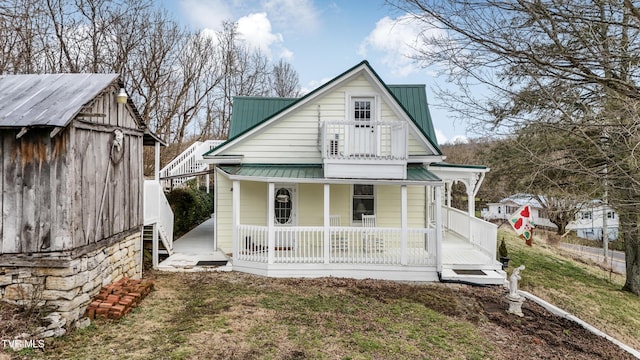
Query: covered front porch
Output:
(313,226)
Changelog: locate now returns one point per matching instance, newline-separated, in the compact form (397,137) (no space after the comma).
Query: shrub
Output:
(190,206)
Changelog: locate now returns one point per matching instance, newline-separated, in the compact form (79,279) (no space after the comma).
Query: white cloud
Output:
(206,14)
(459,139)
(398,40)
(256,30)
(440,136)
(286,54)
(293,15)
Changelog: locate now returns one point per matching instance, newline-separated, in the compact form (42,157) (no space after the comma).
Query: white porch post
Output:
(449,186)
(326,209)
(154,246)
(403,225)
(156,171)
(235,217)
(439,228)
(208,180)
(271,231)
(471,200)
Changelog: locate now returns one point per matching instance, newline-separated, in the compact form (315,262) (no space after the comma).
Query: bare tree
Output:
(565,69)
(284,80)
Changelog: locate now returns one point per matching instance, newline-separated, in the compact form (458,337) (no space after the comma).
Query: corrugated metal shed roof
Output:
(310,171)
(47,99)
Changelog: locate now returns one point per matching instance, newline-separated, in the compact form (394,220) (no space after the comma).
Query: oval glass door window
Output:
(283,206)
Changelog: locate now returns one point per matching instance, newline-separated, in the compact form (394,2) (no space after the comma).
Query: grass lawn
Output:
(584,289)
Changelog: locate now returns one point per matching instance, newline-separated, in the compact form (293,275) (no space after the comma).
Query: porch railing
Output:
(384,140)
(352,245)
(482,234)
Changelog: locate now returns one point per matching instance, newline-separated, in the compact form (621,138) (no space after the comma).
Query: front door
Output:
(285,215)
(364,135)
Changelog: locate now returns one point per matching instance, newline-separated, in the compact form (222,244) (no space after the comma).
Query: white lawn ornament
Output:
(515,299)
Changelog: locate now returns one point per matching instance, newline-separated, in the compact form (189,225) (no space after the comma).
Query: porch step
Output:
(479,277)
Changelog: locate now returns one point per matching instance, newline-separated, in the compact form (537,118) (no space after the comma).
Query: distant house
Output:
(502,210)
(71,179)
(592,218)
(347,181)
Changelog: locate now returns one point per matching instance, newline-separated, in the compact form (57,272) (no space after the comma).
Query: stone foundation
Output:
(68,290)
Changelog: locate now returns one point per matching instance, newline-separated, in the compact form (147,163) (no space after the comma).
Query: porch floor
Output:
(193,247)
(458,252)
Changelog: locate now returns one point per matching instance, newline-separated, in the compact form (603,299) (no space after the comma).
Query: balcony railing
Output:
(364,140)
(347,245)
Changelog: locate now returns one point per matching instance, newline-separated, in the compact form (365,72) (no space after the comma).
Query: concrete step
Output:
(479,277)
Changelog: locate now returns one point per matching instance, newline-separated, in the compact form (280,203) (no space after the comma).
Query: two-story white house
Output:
(347,181)
(592,218)
(503,209)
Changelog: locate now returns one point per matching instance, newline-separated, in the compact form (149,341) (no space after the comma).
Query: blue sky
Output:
(323,38)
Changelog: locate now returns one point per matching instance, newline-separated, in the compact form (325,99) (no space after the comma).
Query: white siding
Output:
(387,198)
(223,211)
(311,203)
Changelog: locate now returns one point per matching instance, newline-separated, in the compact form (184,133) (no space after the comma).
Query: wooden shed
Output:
(71,182)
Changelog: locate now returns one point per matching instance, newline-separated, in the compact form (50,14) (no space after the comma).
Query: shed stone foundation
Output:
(68,290)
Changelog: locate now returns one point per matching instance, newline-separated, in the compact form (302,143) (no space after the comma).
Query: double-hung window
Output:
(363,201)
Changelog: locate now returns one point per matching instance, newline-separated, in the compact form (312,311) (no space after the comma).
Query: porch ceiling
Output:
(314,173)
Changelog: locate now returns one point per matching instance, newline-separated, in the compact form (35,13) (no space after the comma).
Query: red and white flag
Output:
(522,223)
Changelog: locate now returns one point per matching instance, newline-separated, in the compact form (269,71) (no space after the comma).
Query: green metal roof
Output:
(419,173)
(457,166)
(414,100)
(307,171)
(249,112)
(415,173)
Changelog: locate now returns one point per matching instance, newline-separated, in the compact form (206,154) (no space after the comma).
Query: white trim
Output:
(330,180)
(235,215)
(403,224)
(220,160)
(271,222)
(326,216)
(439,228)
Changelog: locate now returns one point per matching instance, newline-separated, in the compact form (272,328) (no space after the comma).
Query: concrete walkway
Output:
(193,247)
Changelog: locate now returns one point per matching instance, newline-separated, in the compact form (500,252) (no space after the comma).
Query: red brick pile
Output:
(117,299)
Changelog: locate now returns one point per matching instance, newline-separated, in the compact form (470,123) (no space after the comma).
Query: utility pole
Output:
(605,235)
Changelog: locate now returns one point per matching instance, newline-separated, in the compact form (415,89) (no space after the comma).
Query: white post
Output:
(471,201)
(439,228)
(326,208)
(154,246)
(235,217)
(271,231)
(403,225)
(157,162)
(208,180)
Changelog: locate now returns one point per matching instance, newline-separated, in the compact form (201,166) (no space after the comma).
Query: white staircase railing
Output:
(188,162)
(157,211)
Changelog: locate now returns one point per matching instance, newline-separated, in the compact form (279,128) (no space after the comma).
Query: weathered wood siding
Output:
(35,185)
(52,188)
(296,138)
